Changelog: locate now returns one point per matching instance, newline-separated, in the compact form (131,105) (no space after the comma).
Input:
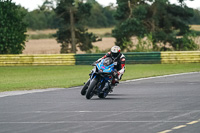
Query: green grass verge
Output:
(40,77)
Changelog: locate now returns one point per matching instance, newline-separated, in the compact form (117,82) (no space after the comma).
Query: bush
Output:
(41,36)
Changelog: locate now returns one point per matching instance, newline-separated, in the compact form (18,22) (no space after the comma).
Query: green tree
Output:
(163,20)
(12,28)
(130,14)
(109,12)
(42,18)
(101,16)
(72,32)
(196,18)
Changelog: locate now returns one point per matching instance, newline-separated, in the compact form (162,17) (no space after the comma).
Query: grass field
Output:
(98,31)
(48,33)
(41,41)
(41,77)
(195,27)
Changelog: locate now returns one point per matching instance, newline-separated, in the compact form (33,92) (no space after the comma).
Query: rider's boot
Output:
(90,73)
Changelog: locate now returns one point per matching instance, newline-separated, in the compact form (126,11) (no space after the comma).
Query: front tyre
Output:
(91,88)
(85,87)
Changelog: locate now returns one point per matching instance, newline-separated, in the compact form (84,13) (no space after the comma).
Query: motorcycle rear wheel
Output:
(85,87)
(91,88)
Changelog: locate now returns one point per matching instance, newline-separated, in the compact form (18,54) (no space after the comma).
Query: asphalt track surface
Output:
(168,104)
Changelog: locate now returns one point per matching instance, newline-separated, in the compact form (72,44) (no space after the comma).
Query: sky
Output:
(33,4)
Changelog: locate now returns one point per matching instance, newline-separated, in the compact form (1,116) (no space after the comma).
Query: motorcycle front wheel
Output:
(91,88)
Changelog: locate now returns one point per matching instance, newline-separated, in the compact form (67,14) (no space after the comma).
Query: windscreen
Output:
(107,61)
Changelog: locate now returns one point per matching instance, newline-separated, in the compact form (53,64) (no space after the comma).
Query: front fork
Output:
(100,84)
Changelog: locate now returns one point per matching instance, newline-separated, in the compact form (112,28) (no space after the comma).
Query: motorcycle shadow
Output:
(114,97)
(117,94)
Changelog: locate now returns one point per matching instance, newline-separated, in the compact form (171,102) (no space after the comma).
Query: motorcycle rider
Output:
(119,59)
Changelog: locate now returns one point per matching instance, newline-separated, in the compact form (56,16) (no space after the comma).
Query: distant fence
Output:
(180,57)
(24,60)
(87,59)
(131,58)
(143,58)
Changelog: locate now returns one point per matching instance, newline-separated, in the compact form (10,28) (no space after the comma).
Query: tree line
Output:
(45,17)
(101,17)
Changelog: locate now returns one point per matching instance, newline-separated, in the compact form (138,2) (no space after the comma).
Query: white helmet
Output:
(115,50)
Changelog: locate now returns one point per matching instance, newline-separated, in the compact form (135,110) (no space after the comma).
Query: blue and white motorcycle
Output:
(100,79)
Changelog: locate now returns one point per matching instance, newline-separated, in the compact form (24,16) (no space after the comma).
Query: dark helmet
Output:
(115,51)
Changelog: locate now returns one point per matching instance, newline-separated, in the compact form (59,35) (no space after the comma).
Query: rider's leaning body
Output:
(119,58)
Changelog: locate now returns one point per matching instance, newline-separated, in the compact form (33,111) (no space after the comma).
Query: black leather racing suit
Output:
(120,67)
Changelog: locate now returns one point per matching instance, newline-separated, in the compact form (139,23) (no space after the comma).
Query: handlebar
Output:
(93,64)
